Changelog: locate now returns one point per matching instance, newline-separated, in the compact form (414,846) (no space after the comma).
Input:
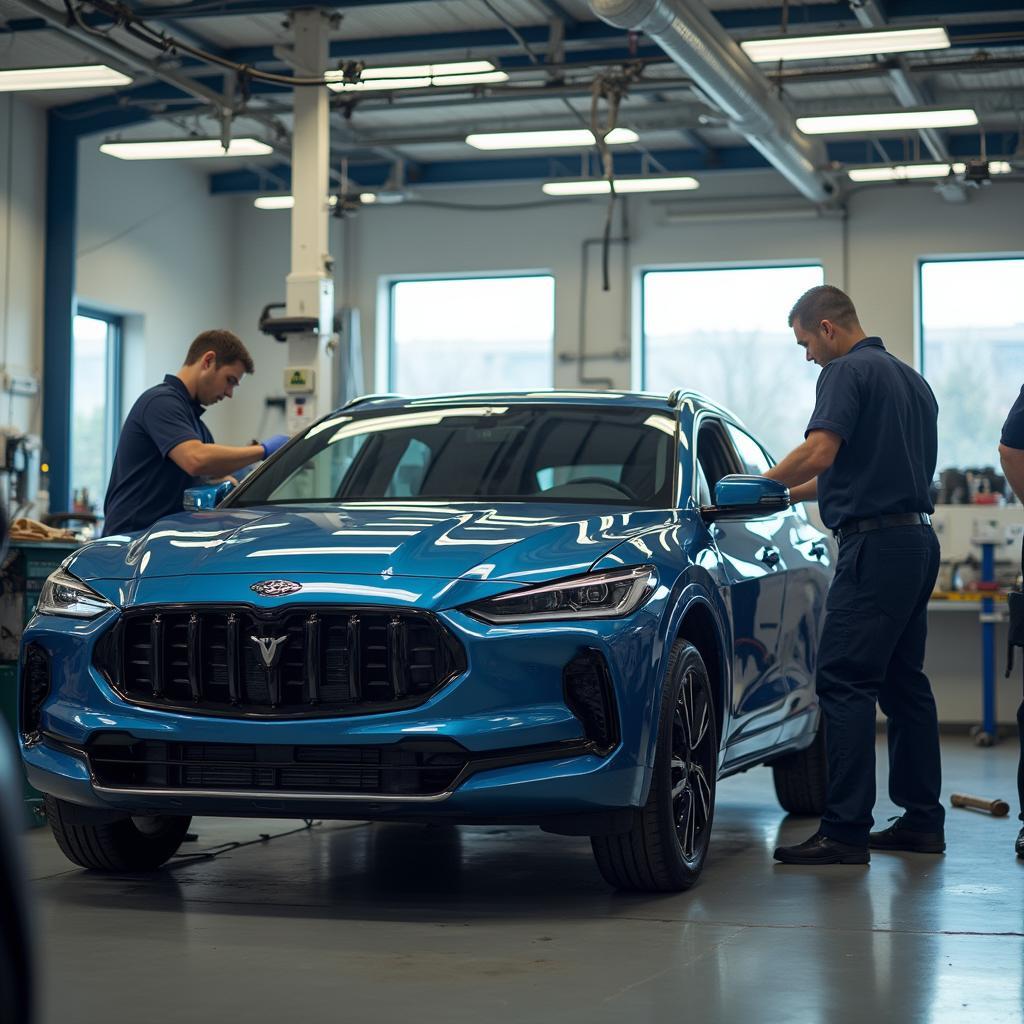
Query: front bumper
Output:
(527,755)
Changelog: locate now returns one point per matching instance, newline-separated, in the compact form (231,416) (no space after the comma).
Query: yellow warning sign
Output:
(299,380)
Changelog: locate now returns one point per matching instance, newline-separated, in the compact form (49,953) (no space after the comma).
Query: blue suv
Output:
(566,609)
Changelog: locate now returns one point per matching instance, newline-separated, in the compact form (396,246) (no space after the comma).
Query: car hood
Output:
(513,541)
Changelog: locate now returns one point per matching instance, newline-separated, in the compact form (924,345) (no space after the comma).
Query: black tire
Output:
(801,779)
(129,844)
(666,848)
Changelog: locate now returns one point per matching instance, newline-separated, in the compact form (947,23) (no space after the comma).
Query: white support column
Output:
(310,286)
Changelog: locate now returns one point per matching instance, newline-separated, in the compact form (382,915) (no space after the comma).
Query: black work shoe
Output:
(898,837)
(1019,845)
(820,849)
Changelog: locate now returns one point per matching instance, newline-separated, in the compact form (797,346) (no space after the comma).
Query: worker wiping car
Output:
(164,445)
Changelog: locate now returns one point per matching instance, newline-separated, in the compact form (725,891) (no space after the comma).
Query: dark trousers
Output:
(872,649)
(1020,762)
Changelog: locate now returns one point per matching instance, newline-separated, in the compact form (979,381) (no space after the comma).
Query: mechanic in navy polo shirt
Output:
(869,457)
(165,447)
(1011,454)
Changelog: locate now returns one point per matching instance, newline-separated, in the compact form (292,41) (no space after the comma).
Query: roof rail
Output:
(675,396)
(359,399)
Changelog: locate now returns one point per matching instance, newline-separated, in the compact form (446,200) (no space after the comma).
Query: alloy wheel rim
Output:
(691,766)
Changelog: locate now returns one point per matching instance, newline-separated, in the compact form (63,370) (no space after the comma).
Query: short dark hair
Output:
(225,345)
(825,302)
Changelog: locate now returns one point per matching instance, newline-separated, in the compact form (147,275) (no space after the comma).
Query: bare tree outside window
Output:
(724,332)
(972,352)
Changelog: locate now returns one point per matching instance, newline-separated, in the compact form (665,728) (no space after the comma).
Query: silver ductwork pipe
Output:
(688,32)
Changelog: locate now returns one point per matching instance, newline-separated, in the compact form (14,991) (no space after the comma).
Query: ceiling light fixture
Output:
(184,149)
(846,44)
(284,202)
(419,76)
(895,121)
(600,187)
(563,139)
(84,76)
(911,172)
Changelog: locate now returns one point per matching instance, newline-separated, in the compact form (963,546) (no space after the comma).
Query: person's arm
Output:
(800,469)
(199,459)
(804,492)
(1012,460)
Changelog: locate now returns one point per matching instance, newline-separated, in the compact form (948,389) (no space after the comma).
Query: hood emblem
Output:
(276,588)
(270,647)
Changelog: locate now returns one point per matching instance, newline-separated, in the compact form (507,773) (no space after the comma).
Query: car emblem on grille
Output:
(269,647)
(275,588)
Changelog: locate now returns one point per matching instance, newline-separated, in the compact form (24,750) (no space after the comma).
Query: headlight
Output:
(62,594)
(600,595)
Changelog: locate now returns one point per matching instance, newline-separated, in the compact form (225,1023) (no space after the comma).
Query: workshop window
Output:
(725,332)
(95,406)
(972,352)
(472,334)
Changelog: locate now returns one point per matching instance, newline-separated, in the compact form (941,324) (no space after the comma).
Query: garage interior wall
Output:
(22,239)
(155,247)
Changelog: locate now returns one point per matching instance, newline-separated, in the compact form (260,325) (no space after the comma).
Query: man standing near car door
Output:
(1011,455)
(869,457)
(164,444)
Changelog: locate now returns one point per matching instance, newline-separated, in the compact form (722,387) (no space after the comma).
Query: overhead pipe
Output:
(695,41)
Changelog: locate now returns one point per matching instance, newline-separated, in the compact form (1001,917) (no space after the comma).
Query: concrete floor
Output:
(392,923)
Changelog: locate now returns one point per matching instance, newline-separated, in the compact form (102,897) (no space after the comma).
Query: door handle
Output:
(770,557)
(818,551)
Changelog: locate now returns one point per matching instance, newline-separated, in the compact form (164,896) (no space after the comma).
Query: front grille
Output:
(118,760)
(292,663)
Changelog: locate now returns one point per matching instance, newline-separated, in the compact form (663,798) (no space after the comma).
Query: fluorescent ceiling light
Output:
(184,149)
(846,44)
(419,76)
(283,202)
(86,76)
(599,186)
(909,172)
(565,139)
(897,121)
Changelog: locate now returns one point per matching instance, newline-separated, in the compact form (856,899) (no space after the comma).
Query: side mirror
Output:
(746,497)
(209,496)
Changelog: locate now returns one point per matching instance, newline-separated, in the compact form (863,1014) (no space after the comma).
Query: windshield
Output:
(549,452)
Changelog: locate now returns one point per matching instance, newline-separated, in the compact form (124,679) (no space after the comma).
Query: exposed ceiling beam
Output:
(871,14)
(536,169)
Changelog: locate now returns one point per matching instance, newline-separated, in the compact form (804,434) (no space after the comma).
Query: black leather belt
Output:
(852,526)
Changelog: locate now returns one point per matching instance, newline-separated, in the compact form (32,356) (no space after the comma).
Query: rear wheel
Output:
(128,844)
(801,779)
(666,848)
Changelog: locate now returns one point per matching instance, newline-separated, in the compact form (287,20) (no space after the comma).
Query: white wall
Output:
(154,245)
(22,232)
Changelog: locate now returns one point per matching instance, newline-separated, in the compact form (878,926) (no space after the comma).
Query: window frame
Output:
(114,382)
(386,361)
(969,257)
(639,347)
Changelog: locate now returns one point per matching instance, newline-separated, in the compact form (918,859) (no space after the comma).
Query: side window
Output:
(751,454)
(715,455)
(703,492)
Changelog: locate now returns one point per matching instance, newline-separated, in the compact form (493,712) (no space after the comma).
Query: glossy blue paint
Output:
(440,558)
(201,499)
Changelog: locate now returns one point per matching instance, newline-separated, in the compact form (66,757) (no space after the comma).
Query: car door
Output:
(755,569)
(806,553)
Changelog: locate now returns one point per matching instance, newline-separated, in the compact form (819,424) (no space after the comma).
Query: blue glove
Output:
(273,443)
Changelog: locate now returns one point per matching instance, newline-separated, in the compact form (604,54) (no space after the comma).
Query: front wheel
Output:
(666,848)
(128,844)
